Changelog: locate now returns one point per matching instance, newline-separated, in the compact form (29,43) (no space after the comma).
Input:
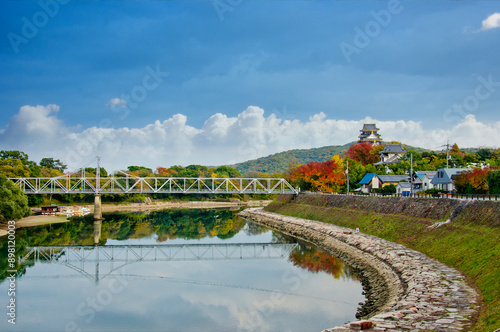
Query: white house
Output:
(443,180)
(422,180)
(368,182)
(403,188)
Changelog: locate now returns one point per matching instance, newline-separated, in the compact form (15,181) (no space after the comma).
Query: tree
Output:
(13,202)
(14,168)
(327,176)
(472,182)
(365,153)
(12,154)
(53,163)
(455,149)
(226,171)
(493,178)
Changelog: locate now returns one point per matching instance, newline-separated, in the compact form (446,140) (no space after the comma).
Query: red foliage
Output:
(473,182)
(364,153)
(327,176)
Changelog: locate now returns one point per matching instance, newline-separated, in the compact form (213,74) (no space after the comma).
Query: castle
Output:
(369,134)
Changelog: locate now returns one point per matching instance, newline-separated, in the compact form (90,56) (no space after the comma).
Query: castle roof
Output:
(369,127)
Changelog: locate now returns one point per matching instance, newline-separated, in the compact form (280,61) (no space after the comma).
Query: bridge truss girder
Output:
(68,184)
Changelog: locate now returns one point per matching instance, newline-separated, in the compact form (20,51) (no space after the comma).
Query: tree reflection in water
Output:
(164,225)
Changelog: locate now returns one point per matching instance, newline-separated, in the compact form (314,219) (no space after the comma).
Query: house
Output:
(370,134)
(443,180)
(369,182)
(391,154)
(403,188)
(386,180)
(422,180)
(53,209)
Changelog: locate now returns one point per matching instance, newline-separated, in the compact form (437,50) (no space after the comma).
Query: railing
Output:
(68,184)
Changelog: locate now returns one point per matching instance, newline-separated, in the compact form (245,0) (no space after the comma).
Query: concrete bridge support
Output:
(97,207)
(97,230)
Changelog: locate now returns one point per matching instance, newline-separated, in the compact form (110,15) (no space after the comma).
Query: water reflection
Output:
(157,272)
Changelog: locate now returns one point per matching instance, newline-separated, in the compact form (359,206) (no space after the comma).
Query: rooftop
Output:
(393,148)
(369,126)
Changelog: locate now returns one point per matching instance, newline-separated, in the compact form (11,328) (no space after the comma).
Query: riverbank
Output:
(405,289)
(34,221)
(37,220)
(461,234)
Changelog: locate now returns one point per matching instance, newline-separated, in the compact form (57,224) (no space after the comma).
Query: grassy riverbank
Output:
(469,243)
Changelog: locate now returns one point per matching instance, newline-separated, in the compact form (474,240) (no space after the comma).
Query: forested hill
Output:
(280,162)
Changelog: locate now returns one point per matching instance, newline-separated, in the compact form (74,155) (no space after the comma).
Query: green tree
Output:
(13,202)
(494,181)
(53,163)
(226,171)
(14,168)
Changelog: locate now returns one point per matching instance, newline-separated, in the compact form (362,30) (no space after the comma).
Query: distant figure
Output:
(357,228)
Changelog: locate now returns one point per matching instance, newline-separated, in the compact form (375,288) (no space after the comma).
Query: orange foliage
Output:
(319,262)
(162,171)
(327,176)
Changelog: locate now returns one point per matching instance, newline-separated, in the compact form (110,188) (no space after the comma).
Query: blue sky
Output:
(215,82)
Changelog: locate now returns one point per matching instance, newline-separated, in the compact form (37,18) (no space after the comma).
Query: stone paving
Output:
(430,296)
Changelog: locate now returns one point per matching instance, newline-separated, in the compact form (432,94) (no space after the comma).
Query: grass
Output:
(470,244)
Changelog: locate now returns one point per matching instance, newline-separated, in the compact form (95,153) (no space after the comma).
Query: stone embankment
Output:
(405,290)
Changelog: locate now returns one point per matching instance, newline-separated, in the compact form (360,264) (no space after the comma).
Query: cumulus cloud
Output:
(251,134)
(116,103)
(491,22)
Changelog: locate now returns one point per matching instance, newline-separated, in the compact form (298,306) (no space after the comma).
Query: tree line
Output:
(331,175)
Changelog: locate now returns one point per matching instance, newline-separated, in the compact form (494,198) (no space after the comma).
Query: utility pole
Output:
(447,151)
(347,172)
(98,174)
(411,174)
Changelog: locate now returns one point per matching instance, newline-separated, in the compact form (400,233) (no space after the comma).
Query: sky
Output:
(162,83)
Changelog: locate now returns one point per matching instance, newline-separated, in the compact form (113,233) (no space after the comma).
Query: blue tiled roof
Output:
(367,178)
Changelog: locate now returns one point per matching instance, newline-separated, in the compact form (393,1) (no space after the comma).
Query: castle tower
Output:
(369,134)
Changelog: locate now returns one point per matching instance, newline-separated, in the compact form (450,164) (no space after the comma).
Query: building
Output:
(422,180)
(369,182)
(370,134)
(391,154)
(386,180)
(403,188)
(443,180)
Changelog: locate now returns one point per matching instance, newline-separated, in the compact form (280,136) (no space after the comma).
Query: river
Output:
(174,270)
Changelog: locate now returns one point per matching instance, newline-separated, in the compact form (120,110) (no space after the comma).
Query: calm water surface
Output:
(176,270)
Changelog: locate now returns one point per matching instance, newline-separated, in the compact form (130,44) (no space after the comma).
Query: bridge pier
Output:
(97,230)
(97,207)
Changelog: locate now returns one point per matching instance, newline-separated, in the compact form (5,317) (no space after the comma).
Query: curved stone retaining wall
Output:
(406,290)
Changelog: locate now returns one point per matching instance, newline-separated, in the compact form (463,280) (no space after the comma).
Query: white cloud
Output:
(116,103)
(491,22)
(37,131)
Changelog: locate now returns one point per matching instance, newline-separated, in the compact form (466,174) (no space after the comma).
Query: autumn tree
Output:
(327,176)
(472,182)
(365,153)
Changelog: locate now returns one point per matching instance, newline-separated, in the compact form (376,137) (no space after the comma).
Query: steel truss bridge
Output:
(118,256)
(128,184)
(125,183)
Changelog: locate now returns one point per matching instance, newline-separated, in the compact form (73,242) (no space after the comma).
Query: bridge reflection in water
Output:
(81,258)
